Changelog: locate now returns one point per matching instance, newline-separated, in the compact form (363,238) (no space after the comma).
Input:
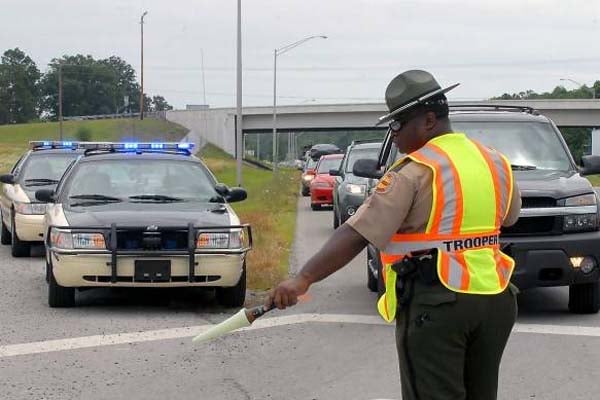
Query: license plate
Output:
(152,270)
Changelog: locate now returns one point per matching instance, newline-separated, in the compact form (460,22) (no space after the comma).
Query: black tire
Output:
(233,296)
(315,207)
(336,220)
(18,247)
(4,233)
(59,296)
(305,191)
(584,298)
(371,280)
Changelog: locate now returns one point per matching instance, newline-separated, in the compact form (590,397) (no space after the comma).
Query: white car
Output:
(22,217)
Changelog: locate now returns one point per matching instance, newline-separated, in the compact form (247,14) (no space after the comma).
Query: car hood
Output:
(146,214)
(351,178)
(324,178)
(555,184)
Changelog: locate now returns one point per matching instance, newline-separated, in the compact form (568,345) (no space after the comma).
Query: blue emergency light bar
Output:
(133,146)
(53,144)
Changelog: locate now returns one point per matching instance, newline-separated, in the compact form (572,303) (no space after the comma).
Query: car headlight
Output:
(580,222)
(583,200)
(63,239)
(220,240)
(308,178)
(31,208)
(355,188)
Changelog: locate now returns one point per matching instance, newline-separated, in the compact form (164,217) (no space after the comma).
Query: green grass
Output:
(271,211)
(14,139)
(594,179)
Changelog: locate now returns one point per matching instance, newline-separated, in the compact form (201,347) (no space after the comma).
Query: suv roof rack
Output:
(495,107)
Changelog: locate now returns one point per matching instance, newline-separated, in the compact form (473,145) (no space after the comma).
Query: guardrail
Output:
(152,114)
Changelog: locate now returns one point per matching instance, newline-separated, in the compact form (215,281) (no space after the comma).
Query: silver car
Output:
(349,190)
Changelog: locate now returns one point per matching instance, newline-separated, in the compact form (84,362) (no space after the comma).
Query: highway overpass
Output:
(218,125)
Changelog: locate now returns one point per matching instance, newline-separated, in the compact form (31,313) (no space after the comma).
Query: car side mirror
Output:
(45,196)
(222,189)
(9,179)
(236,194)
(591,165)
(334,172)
(367,168)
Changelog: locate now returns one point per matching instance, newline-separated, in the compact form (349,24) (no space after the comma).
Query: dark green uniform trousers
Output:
(450,344)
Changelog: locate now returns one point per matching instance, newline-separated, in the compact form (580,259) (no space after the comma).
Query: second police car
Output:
(143,215)
(21,215)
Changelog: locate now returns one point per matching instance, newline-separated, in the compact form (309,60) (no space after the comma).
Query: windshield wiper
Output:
(40,181)
(90,203)
(155,197)
(516,167)
(97,197)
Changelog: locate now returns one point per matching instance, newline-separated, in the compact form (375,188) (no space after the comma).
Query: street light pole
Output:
(592,90)
(276,53)
(60,101)
(142,66)
(239,117)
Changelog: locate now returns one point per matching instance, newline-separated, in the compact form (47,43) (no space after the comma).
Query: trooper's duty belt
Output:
(422,266)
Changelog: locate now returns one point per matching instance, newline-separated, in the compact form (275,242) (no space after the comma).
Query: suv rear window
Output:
(523,143)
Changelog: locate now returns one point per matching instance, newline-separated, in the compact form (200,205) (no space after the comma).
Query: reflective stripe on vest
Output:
(471,190)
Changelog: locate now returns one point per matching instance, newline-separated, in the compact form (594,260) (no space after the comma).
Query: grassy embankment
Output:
(270,209)
(14,139)
(594,179)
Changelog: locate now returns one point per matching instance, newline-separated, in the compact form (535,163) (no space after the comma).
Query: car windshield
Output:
(310,164)
(46,167)
(532,144)
(328,163)
(357,154)
(142,180)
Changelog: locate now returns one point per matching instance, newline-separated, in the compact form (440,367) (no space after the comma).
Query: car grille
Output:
(144,240)
(530,226)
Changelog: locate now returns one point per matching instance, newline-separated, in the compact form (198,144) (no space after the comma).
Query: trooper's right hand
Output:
(287,292)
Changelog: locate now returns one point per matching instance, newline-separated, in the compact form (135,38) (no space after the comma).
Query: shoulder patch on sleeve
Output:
(386,182)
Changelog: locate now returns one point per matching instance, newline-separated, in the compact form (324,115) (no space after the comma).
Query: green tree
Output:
(160,104)
(93,87)
(19,94)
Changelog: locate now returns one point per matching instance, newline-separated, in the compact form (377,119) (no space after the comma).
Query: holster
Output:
(422,266)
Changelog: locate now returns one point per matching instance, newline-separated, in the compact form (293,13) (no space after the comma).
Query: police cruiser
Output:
(143,215)
(22,216)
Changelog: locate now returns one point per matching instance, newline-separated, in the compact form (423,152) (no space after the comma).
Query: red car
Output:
(321,187)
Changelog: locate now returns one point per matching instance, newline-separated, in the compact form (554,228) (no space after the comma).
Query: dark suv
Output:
(556,241)
(350,191)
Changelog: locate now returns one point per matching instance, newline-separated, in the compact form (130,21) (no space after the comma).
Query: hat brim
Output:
(388,117)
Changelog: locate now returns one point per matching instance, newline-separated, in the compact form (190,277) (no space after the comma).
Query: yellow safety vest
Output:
(472,189)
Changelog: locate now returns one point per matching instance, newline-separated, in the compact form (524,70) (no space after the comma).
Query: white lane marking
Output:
(47,346)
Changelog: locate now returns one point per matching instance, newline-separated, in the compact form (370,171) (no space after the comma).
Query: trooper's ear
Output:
(430,120)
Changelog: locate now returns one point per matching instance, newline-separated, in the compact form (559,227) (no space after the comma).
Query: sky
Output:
(490,47)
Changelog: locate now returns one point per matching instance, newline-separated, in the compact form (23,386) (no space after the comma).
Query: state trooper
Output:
(435,216)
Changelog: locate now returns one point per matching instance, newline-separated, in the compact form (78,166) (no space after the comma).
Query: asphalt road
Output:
(135,344)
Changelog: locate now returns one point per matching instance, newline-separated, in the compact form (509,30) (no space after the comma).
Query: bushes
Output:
(83,134)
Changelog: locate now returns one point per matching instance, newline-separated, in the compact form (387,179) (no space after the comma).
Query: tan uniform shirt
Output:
(404,203)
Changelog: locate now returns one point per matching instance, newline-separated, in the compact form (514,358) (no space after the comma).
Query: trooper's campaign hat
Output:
(410,89)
